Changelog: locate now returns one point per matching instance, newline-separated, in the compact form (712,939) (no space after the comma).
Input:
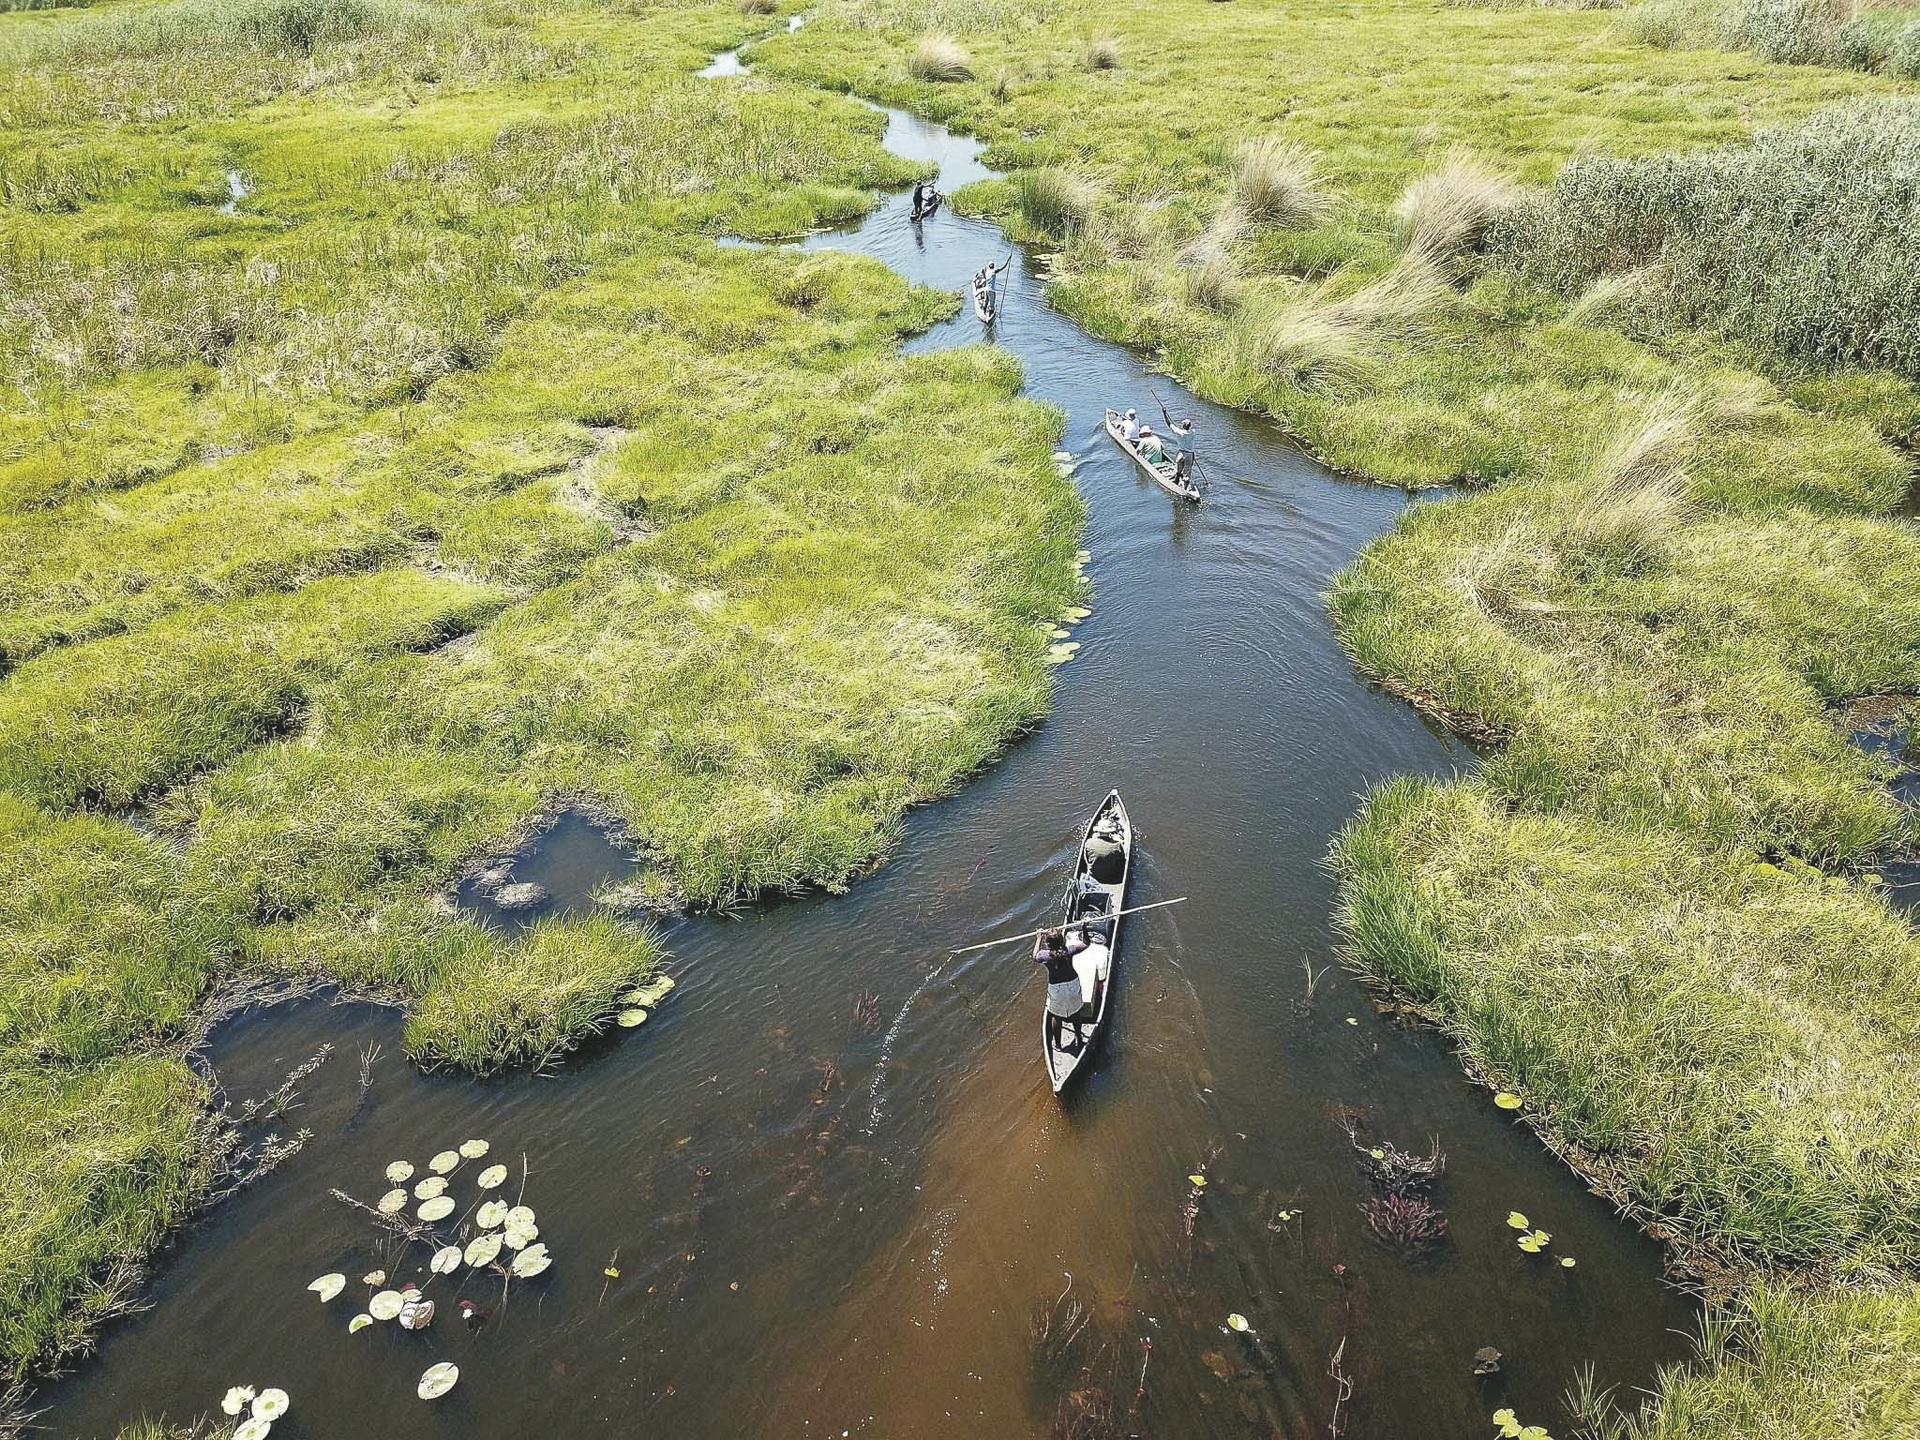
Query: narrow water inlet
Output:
(829,1172)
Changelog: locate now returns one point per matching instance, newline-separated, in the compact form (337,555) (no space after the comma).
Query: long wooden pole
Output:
(1065,925)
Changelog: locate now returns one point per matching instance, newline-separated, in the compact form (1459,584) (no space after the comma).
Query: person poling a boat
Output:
(986,288)
(926,200)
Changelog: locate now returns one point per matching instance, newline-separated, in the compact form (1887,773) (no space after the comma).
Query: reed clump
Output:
(1055,203)
(1102,52)
(1797,241)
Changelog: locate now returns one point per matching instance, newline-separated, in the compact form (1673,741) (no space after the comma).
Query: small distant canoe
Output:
(986,304)
(1098,887)
(1163,473)
(921,212)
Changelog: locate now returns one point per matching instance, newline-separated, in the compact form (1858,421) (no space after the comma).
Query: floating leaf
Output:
(400,1171)
(445,1261)
(630,1017)
(493,1177)
(531,1261)
(236,1399)
(1507,1100)
(520,1217)
(1503,1417)
(1083,556)
(1378,1154)
(374,1277)
(431,1186)
(270,1405)
(253,1429)
(481,1249)
(1237,1321)
(385,1305)
(519,1237)
(393,1202)
(359,1323)
(438,1380)
(444,1161)
(653,992)
(473,1149)
(438,1208)
(612,1273)
(416,1313)
(328,1286)
(1353,1020)
(1059,633)
(1196,1179)
(1566,1262)
(491,1214)
(1517,1220)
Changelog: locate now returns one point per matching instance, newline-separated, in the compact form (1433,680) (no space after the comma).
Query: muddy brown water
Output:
(838,1186)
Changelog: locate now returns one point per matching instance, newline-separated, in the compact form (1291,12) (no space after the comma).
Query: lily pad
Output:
(1566,1262)
(431,1186)
(629,1018)
(385,1305)
(328,1286)
(374,1277)
(438,1208)
(492,1177)
(445,1261)
(400,1171)
(531,1261)
(491,1214)
(1196,1180)
(236,1399)
(473,1149)
(270,1404)
(1237,1321)
(651,993)
(482,1249)
(359,1323)
(1507,1100)
(519,1237)
(444,1161)
(253,1428)
(393,1202)
(1518,1221)
(520,1217)
(438,1380)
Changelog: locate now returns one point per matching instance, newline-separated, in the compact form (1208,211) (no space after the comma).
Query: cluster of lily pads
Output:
(642,998)
(1064,647)
(1534,1241)
(1512,1429)
(497,1227)
(261,1407)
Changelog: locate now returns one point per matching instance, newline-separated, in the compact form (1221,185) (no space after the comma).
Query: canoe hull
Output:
(1067,1044)
(1164,474)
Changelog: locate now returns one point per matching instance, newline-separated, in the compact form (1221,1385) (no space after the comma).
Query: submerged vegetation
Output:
(400,464)
(1658,300)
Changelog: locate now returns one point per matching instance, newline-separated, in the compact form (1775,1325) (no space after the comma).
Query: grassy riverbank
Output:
(388,453)
(1653,911)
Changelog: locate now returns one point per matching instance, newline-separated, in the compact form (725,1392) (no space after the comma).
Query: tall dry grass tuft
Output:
(1611,294)
(1054,202)
(1445,214)
(941,59)
(1295,343)
(1401,303)
(1637,487)
(1278,182)
(1103,51)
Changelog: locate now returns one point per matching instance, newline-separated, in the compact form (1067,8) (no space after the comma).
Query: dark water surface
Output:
(832,1169)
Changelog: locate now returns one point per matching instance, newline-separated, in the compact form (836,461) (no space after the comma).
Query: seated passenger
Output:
(1150,450)
(1130,427)
(1090,964)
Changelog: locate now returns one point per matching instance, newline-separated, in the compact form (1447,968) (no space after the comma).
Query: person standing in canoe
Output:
(988,283)
(1064,994)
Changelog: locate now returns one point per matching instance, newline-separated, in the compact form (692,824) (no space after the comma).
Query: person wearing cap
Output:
(1130,429)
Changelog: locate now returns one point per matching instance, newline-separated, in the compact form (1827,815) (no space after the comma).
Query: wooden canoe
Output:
(985,305)
(921,212)
(1164,474)
(1065,1044)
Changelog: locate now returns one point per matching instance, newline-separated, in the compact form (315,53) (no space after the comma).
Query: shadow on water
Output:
(843,1199)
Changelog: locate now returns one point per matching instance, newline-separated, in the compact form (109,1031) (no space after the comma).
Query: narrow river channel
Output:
(837,1184)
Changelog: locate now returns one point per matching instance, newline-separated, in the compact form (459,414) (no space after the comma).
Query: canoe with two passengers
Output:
(1095,896)
(1164,473)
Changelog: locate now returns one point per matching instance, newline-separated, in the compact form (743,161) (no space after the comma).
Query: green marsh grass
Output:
(716,557)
